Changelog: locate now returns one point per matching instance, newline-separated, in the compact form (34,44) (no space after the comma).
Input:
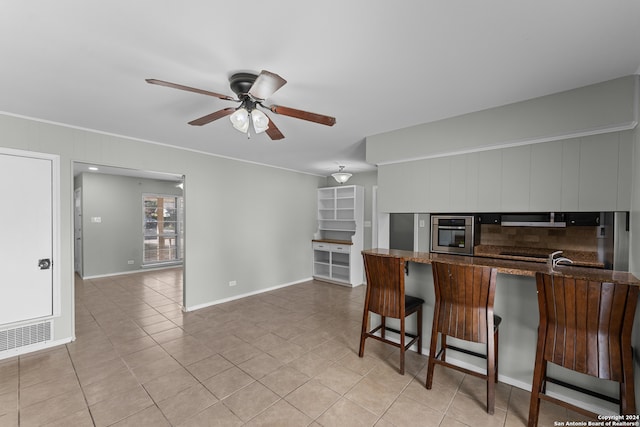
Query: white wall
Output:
(254,228)
(599,108)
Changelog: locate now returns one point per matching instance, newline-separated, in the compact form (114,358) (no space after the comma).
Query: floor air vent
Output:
(25,335)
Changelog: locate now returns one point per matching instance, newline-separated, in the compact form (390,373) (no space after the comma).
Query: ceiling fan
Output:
(251,91)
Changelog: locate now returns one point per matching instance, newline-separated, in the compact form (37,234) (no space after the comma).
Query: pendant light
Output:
(341,177)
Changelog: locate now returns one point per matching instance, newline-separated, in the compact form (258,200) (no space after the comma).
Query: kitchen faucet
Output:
(553,261)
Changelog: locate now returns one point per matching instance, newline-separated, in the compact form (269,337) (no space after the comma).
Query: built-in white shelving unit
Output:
(339,241)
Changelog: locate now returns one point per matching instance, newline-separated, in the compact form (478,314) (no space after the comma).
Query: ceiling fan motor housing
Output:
(241,83)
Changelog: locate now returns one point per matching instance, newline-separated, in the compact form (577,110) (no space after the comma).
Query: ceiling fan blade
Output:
(304,115)
(187,88)
(213,116)
(266,84)
(273,132)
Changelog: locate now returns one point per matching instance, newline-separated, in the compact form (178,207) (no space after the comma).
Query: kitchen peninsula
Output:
(512,266)
(516,302)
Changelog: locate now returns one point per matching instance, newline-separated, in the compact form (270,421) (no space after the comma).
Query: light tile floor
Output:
(282,358)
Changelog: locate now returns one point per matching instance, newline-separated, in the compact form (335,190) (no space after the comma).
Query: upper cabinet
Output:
(489,182)
(545,185)
(515,191)
(598,172)
(570,177)
(591,173)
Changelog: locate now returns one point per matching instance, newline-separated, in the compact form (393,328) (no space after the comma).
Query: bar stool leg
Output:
(365,328)
(433,348)
(419,314)
(495,352)
(627,392)
(630,408)
(402,349)
(538,386)
(491,376)
(443,342)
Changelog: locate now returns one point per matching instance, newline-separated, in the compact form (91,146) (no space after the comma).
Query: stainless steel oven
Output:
(453,234)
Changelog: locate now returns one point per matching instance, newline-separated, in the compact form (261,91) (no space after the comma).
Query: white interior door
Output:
(26,246)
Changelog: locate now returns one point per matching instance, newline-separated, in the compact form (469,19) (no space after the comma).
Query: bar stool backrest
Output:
(385,285)
(588,324)
(464,300)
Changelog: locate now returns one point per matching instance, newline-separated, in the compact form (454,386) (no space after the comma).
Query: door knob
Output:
(44,263)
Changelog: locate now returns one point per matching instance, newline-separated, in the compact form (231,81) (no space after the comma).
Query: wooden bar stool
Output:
(385,296)
(585,326)
(464,310)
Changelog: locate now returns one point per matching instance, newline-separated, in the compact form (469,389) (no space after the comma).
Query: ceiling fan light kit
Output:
(240,120)
(260,121)
(252,90)
(340,176)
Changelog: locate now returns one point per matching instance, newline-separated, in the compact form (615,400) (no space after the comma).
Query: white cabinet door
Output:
(26,288)
(625,171)
(598,173)
(546,177)
(471,183)
(490,181)
(516,178)
(570,174)
(439,184)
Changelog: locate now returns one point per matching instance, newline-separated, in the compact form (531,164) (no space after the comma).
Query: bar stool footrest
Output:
(414,338)
(409,334)
(461,350)
(583,390)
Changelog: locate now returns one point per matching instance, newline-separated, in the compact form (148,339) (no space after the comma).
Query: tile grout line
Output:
(129,370)
(84,396)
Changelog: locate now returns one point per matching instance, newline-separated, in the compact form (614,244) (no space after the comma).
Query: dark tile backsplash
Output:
(570,238)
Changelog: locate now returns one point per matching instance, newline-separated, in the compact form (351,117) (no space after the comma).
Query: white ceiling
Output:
(374,65)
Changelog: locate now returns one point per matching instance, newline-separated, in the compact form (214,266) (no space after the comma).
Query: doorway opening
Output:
(127,221)
(163,229)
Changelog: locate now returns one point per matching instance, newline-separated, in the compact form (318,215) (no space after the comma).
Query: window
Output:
(162,228)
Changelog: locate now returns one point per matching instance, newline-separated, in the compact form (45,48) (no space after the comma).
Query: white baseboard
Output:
(248,294)
(144,269)
(592,405)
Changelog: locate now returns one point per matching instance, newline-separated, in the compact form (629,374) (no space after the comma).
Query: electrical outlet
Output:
(232,283)
(130,262)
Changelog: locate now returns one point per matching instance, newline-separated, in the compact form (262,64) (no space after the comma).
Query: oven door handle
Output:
(451,227)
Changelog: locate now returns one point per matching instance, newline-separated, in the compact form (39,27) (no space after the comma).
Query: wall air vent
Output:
(26,335)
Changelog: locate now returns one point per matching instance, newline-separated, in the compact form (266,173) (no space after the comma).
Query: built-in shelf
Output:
(338,243)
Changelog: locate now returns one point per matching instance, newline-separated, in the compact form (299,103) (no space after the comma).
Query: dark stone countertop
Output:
(511,266)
